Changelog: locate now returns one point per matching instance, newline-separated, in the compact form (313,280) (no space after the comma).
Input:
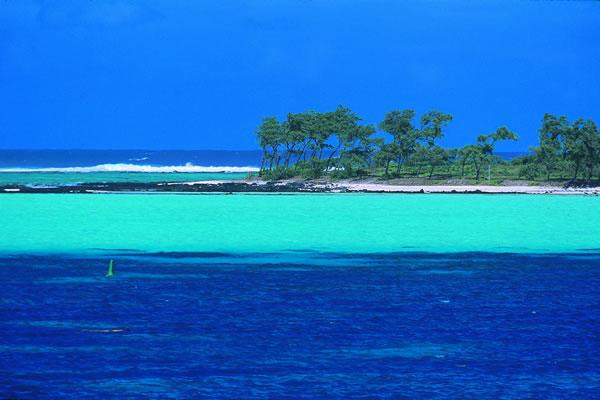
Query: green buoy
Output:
(110,269)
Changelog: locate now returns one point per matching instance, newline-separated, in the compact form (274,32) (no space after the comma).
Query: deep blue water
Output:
(413,325)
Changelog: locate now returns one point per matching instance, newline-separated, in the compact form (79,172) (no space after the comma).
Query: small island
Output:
(335,145)
(334,152)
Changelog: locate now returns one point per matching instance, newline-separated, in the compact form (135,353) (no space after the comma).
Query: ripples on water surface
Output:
(301,325)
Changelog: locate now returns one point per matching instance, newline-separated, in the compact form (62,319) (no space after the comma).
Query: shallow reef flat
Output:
(324,222)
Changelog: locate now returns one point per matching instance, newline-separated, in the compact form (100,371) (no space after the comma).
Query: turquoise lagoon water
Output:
(73,178)
(349,223)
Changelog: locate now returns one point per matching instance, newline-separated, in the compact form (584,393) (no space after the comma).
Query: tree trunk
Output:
(289,152)
(431,171)
(399,161)
(576,171)
(331,156)
(303,152)
(387,167)
(317,146)
(263,160)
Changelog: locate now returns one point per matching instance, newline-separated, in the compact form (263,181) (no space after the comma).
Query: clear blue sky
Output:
(197,74)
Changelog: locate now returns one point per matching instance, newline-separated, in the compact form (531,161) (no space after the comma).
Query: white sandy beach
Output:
(343,186)
(378,187)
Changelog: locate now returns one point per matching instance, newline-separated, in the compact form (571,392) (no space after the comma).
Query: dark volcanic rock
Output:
(221,187)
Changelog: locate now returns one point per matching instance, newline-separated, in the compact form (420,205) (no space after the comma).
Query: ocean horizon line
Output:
(138,160)
(191,150)
(125,149)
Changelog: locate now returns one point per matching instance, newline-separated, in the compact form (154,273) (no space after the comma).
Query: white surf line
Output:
(186,168)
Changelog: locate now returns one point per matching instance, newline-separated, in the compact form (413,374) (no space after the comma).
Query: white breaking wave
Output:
(188,167)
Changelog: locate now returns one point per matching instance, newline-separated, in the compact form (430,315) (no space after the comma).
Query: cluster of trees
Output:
(314,142)
(337,143)
(565,150)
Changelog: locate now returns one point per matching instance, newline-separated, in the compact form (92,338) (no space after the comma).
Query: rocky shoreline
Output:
(291,187)
(173,187)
